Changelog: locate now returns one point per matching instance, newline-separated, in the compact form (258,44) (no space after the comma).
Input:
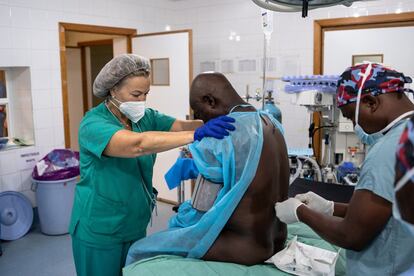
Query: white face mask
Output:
(395,210)
(134,110)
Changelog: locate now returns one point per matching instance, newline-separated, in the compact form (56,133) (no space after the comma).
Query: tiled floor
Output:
(39,255)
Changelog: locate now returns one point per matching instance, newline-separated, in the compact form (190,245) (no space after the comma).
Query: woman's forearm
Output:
(155,142)
(125,143)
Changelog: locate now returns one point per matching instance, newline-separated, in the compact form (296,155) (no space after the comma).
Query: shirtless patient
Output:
(253,233)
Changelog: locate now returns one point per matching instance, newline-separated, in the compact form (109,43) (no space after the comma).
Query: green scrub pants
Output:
(99,260)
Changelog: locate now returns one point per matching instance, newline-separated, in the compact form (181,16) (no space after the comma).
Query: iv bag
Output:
(267,23)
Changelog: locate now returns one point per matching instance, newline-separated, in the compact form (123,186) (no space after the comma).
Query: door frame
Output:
(82,28)
(335,24)
(82,46)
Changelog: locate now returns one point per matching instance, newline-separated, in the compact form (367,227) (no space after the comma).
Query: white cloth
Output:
(302,259)
(41,167)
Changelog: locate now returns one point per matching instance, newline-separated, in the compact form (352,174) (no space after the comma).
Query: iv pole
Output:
(265,46)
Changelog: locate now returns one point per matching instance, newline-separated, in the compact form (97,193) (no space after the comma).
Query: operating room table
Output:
(165,265)
(175,265)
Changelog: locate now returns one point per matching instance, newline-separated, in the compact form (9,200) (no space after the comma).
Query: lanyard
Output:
(152,199)
(395,121)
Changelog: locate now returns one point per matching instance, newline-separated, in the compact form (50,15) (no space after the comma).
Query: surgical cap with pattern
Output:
(380,80)
(117,69)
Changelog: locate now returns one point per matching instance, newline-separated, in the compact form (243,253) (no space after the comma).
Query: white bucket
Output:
(54,204)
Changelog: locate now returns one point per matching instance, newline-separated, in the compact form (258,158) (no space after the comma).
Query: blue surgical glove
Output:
(216,128)
(183,169)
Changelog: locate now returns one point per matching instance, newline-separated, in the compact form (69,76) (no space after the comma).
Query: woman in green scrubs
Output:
(118,141)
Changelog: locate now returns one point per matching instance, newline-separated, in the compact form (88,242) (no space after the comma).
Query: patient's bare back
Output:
(253,233)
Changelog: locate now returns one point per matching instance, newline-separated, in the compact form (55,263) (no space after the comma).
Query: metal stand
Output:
(181,192)
(180,196)
(184,152)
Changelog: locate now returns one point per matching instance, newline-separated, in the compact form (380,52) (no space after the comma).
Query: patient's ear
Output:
(209,100)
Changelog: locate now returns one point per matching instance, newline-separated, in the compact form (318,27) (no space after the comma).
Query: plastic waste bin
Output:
(54,179)
(54,203)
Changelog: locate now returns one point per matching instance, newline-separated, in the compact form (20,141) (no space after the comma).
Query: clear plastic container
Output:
(267,23)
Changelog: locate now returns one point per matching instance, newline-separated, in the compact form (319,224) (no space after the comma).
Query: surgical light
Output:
(301,5)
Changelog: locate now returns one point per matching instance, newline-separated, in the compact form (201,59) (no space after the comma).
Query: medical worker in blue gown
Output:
(403,209)
(372,96)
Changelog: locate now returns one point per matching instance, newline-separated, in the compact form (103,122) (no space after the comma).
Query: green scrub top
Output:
(111,203)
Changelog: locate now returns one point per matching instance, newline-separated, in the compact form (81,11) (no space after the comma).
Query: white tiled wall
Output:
(292,43)
(29,37)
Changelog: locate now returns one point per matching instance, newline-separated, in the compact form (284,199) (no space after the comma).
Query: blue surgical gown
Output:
(392,251)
